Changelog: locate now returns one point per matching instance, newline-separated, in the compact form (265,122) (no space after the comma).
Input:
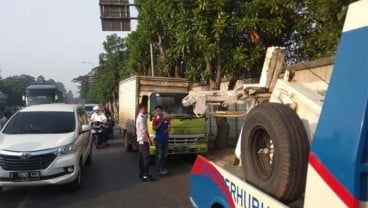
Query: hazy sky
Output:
(50,38)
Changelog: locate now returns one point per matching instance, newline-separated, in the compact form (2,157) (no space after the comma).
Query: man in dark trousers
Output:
(162,126)
(144,141)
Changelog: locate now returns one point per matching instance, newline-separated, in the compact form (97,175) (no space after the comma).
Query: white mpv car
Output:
(45,144)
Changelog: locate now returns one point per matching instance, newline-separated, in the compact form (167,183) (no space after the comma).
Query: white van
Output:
(45,144)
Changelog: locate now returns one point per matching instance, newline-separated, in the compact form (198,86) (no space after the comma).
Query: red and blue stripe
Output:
(339,148)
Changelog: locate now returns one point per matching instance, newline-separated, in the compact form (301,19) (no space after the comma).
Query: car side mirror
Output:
(85,128)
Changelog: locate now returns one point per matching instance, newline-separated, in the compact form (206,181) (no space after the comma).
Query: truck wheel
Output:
(127,146)
(275,151)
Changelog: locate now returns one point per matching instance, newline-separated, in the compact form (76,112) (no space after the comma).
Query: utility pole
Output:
(152,62)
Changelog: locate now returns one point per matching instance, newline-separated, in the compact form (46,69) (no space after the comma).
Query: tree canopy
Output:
(101,85)
(208,40)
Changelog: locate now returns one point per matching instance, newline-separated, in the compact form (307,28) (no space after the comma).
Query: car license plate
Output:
(25,176)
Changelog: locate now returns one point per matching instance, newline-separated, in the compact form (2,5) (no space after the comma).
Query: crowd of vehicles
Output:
(303,142)
(45,144)
(187,134)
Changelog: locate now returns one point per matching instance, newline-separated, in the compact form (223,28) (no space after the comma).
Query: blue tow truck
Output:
(307,146)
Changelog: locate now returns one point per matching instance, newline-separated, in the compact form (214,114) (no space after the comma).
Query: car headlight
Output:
(64,150)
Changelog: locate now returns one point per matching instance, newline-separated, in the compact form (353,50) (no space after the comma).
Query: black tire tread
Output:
(89,158)
(300,146)
(75,185)
(287,180)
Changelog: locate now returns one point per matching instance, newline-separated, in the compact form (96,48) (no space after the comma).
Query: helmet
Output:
(96,108)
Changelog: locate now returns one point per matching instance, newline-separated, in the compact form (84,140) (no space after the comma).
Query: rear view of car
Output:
(45,144)
(89,108)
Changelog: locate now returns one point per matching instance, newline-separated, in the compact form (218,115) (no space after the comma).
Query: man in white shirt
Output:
(98,115)
(144,141)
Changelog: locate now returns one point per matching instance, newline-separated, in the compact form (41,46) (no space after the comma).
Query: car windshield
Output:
(88,107)
(171,102)
(34,100)
(41,122)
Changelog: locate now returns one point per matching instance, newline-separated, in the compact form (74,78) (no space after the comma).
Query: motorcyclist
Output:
(109,120)
(99,116)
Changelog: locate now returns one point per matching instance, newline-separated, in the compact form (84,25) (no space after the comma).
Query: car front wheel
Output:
(89,158)
(76,184)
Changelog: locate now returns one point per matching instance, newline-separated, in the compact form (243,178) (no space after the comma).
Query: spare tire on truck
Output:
(275,151)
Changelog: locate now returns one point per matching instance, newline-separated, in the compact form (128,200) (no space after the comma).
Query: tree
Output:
(15,88)
(157,26)
(83,86)
(105,83)
(40,80)
(69,96)
(227,37)
(60,89)
(138,55)
(323,21)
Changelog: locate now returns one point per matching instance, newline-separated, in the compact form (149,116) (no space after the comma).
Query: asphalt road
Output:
(111,181)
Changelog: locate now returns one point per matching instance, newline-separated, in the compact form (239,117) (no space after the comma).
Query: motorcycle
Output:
(98,133)
(110,128)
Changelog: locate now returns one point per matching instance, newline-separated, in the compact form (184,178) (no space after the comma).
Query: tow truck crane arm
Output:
(252,93)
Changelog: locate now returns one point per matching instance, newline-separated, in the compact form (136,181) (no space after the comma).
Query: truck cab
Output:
(188,132)
(40,94)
